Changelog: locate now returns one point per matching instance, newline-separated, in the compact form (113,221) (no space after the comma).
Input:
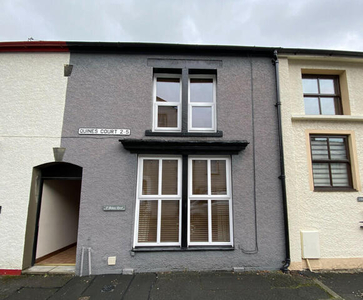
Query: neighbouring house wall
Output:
(115,91)
(58,222)
(32,93)
(335,215)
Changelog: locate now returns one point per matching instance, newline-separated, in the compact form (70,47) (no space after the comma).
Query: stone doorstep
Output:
(50,270)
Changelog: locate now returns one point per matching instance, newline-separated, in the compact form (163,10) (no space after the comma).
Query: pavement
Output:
(185,285)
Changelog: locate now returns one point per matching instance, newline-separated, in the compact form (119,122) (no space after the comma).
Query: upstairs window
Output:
(322,95)
(184,102)
(167,102)
(330,162)
(201,103)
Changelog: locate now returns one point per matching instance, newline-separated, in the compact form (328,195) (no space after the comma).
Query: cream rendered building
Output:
(32,93)
(322,122)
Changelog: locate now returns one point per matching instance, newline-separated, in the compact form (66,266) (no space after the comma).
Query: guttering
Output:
(34,46)
(286,265)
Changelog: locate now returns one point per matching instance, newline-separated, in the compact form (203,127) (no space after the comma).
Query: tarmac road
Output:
(185,285)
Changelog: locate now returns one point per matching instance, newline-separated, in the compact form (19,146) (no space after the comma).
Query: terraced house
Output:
(322,114)
(166,157)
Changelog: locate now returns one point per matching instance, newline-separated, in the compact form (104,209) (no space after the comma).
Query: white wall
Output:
(58,222)
(335,215)
(32,94)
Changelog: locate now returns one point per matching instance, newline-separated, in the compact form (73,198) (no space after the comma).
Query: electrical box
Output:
(310,245)
(111,260)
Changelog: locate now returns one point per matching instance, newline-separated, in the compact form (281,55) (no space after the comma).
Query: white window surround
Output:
(157,104)
(209,197)
(159,197)
(212,105)
(178,197)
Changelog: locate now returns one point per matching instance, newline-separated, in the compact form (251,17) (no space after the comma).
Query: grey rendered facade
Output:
(114,90)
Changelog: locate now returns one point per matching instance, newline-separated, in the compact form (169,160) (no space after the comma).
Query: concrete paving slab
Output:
(183,285)
(347,285)
(73,289)
(140,286)
(32,294)
(176,286)
(224,285)
(108,287)
(10,284)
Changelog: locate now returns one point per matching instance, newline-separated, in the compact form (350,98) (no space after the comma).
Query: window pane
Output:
(170,177)
(321,174)
(169,221)
(168,90)
(148,221)
(339,173)
(199,221)
(150,179)
(319,148)
(202,117)
(200,178)
(337,148)
(201,90)
(310,86)
(327,106)
(311,106)
(220,221)
(326,86)
(167,116)
(218,177)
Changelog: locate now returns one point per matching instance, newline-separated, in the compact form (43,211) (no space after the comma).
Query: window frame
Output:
(156,104)
(202,104)
(338,105)
(330,161)
(159,198)
(209,197)
(185,106)
(184,200)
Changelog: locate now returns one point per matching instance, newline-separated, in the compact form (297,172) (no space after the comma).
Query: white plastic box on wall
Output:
(310,245)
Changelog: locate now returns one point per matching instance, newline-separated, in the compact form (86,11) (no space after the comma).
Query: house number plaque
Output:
(114,207)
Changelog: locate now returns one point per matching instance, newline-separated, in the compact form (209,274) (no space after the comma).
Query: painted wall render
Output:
(32,93)
(115,91)
(335,215)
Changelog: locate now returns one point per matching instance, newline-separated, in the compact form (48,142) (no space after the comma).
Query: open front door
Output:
(58,222)
(52,229)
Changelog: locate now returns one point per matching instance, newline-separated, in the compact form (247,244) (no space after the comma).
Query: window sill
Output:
(334,190)
(184,134)
(335,118)
(179,249)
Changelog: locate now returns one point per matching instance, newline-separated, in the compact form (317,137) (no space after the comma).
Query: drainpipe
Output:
(286,265)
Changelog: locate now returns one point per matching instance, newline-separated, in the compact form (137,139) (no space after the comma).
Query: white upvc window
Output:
(167,102)
(158,205)
(209,201)
(202,103)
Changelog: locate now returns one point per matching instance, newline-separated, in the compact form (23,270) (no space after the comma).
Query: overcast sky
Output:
(325,24)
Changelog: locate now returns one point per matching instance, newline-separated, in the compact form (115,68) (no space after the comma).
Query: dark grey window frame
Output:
(337,94)
(332,161)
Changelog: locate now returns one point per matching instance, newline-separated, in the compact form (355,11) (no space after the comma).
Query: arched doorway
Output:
(53,214)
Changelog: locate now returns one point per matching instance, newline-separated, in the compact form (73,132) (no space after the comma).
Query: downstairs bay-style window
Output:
(330,162)
(183,208)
